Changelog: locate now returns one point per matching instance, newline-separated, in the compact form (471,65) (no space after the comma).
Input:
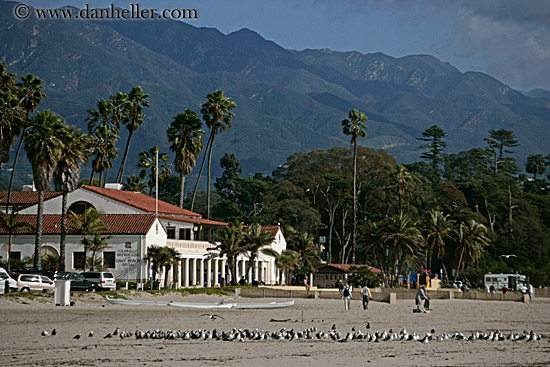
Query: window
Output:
(185,234)
(171,233)
(109,259)
(78,259)
(15,255)
(80,207)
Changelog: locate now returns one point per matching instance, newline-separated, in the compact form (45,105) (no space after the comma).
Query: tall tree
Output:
(256,239)
(133,113)
(438,230)
(303,244)
(44,148)
(433,151)
(471,242)
(148,163)
(103,127)
(536,164)
(12,113)
(499,141)
(355,127)
(31,94)
(67,173)
(12,225)
(216,112)
(87,224)
(185,134)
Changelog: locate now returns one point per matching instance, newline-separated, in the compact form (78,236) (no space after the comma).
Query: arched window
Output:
(80,207)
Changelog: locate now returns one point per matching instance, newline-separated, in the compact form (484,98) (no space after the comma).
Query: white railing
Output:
(184,244)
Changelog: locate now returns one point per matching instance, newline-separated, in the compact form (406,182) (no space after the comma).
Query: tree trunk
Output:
(208,179)
(200,172)
(62,239)
(10,239)
(121,170)
(354,202)
(182,189)
(459,264)
(92,176)
(85,253)
(15,161)
(39,224)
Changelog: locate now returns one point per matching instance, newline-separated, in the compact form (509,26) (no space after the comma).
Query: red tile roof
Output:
(345,267)
(271,229)
(178,218)
(117,223)
(25,198)
(141,201)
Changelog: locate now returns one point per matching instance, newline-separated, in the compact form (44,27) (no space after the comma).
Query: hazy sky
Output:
(508,39)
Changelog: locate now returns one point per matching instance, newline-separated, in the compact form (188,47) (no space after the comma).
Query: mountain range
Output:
(288,100)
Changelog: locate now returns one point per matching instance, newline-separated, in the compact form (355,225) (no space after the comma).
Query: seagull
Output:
(54,332)
(213,317)
(45,333)
(77,336)
(368,325)
(91,334)
(508,256)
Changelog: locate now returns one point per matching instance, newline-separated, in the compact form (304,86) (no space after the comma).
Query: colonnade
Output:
(201,272)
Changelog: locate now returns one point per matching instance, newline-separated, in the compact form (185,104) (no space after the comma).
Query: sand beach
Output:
(23,320)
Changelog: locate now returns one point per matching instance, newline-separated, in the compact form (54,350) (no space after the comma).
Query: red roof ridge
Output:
(141,201)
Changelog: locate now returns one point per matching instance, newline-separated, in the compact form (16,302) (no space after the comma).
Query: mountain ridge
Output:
(288,100)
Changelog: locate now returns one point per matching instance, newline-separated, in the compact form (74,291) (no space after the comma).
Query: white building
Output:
(134,227)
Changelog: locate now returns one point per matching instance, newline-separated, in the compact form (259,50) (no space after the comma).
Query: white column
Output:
(193,272)
(185,272)
(208,273)
(201,272)
(216,272)
(222,271)
(243,269)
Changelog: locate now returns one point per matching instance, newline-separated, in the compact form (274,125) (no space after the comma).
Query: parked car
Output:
(105,280)
(34,283)
(78,281)
(12,282)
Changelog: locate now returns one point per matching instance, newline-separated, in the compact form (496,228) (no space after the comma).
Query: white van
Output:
(105,280)
(5,276)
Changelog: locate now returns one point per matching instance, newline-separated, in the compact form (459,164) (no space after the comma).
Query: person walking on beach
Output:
(420,297)
(346,295)
(366,296)
(531,291)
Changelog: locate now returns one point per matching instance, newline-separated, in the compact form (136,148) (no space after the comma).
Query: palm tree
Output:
(133,112)
(98,244)
(104,127)
(438,229)
(287,261)
(403,178)
(230,243)
(135,183)
(11,113)
(44,147)
(256,240)
(536,164)
(66,175)
(217,114)
(170,257)
(353,126)
(154,257)
(307,251)
(31,96)
(11,225)
(402,238)
(471,242)
(103,146)
(185,134)
(86,224)
(148,163)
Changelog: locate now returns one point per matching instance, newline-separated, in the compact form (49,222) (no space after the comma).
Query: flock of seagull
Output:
(242,335)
